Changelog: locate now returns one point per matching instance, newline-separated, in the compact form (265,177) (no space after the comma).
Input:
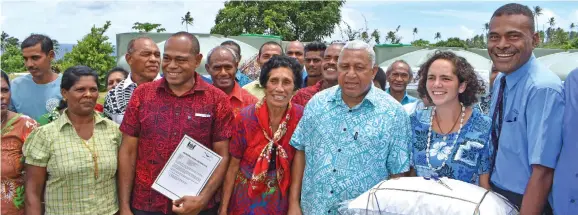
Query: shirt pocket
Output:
(510,128)
(469,153)
(198,122)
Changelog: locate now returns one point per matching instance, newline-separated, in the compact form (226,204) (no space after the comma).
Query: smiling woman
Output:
(450,139)
(254,183)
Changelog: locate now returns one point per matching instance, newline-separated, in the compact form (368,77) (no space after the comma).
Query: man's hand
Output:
(189,205)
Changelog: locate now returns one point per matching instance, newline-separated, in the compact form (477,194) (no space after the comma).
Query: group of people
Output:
(299,131)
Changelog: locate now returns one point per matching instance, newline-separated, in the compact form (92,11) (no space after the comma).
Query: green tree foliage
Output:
(292,20)
(11,59)
(187,20)
(392,38)
(148,27)
(349,34)
(94,51)
(452,42)
(420,43)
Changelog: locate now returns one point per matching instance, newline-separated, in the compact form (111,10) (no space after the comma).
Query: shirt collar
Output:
(517,75)
(236,93)
(64,120)
(371,96)
(199,86)
(405,97)
(128,81)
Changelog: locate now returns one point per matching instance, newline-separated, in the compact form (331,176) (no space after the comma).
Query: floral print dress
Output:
(14,134)
(465,161)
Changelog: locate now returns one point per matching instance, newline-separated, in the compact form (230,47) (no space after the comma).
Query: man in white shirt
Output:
(143,57)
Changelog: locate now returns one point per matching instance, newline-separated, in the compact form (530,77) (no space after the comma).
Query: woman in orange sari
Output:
(15,130)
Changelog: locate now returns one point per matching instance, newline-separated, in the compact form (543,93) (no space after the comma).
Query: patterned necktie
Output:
(497,119)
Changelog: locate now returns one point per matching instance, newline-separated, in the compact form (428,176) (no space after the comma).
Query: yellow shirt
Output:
(72,185)
(255,89)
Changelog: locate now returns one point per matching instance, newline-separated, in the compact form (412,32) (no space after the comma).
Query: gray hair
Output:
(359,45)
(390,69)
(222,47)
(130,47)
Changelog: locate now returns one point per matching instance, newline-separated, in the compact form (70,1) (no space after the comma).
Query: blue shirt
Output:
(349,150)
(565,188)
(465,161)
(241,79)
(406,98)
(532,124)
(34,100)
(304,75)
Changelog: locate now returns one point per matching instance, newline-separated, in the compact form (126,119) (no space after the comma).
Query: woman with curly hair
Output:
(450,138)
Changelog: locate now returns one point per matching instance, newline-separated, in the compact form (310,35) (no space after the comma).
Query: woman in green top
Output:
(74,158)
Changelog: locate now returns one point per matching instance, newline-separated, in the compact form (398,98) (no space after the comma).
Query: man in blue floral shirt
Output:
(351,137)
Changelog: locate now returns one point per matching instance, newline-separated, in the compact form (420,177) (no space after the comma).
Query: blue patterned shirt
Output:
(465,161)
(349,150)
(241,78)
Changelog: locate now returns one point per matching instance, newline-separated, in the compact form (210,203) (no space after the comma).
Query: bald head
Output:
(192,39)
(295,49)
(224,52)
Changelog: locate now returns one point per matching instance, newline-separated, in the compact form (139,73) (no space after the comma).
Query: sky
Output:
(68,21)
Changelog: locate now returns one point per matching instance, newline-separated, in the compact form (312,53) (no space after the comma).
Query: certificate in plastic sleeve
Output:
(187,170)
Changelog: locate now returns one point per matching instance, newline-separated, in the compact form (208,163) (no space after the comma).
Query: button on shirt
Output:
(565,188)
(532,124)
(71,186)
(348,151)
(160,119)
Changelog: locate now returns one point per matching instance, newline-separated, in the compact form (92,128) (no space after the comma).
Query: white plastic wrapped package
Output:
(418,196)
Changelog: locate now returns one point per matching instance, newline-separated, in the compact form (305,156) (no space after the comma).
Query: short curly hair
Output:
(462,69)
(278,61)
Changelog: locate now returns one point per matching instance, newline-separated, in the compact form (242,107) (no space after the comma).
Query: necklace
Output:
(429,134)
(94,155)
(445,137)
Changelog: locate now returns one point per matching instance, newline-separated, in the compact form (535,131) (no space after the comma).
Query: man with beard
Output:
(222,66)
(398,75)
(526,110)
(143,57)
(329,74)
(37,93)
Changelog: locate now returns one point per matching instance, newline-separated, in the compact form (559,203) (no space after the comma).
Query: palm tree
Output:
(550,31)
(187,20)
(438,36)
(552,22)
(414,33)
(572,26)
(537,13)
(486,28)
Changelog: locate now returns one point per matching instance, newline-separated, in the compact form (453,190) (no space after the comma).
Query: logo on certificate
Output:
(191,146)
